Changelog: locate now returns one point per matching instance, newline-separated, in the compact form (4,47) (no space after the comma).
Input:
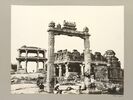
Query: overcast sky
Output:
(29,26)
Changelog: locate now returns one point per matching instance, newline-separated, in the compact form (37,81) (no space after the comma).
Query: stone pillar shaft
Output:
(87,56)
(18,65)
(82,69)
(50,67)
(26,66)
(18,62)
(60,70)
(66,65)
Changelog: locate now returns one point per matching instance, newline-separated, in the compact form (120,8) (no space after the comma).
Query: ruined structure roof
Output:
(65,56)
(24,47)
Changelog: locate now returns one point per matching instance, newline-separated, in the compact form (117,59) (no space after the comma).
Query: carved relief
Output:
(69,26)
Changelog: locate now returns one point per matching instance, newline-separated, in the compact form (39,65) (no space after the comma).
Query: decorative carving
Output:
(63,55)
(98,56)
(58,26)
(52,24)
(86,29)
(101,72)
(76,55)
(69,25)
(109,53)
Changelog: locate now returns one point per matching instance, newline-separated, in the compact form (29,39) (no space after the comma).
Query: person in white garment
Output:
(92,81)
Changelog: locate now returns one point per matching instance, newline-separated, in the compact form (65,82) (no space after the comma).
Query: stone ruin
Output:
(105,67)
(26,58)
(64,63)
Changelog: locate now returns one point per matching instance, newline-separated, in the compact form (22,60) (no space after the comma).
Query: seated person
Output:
(92,80)
(58,91)
(41,87)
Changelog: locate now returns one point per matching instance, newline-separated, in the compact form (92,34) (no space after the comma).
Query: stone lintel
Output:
(31,59)
(31,50)
(68,32)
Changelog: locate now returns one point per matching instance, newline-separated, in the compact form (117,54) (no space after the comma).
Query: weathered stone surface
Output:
(87,55)
(69,25)
(101,73)
(64,55)
(51,24)
(50,65)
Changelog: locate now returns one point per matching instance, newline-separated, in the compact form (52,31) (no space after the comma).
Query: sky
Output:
(29,26)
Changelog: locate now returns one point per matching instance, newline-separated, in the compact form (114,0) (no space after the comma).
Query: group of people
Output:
(88,84)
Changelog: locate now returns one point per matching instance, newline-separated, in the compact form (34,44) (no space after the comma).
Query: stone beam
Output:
(68,32)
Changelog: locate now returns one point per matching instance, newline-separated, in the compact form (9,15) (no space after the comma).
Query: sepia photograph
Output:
(67,50)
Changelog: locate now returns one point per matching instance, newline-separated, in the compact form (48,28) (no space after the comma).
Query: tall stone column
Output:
(26,55)
(50,67)
(66,74)
(82,69)
(18,65)
(18,61)
(87,55)
(60,70)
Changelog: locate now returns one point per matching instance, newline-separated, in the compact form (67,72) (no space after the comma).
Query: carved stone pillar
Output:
(18,61)
(26,66)
(87,55)
(60,70)
(66,74)
(82,69)
(50,67)
(18,65)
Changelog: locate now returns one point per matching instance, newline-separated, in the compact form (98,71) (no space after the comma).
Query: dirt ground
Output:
(33,89)
(25,89)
